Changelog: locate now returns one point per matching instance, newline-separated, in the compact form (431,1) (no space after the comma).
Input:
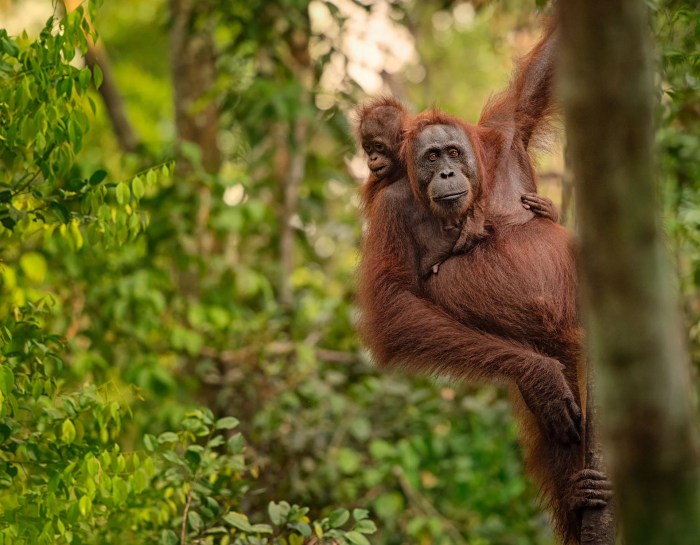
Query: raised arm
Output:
(527,105)
(404,330)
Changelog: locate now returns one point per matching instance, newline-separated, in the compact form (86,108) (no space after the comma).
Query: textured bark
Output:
(193,65)
(193,72)
(598,526)
(112,98)
(632,315)
(96,55)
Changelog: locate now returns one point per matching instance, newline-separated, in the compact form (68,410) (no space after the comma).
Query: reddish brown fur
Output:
(434,242)
(504,312)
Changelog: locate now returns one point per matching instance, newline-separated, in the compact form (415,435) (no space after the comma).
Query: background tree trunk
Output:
(96,55)
(194,72)
(636,340)
(193,64)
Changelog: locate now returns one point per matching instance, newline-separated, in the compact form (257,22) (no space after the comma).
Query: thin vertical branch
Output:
(96,55)
(598,526)
(297,168)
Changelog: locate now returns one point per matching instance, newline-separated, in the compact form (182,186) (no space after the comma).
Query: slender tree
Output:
(96,56)
(193,70)
(635,334)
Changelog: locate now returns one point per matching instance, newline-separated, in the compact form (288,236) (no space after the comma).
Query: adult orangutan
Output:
(504,311)
(380,128)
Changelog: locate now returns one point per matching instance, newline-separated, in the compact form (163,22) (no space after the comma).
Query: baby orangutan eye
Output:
(379,147)
(432,157)
(454,152)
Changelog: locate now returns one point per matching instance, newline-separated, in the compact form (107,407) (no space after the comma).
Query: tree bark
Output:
(96,55)
(635,336)
(193,65)
(597,525)
(194,73)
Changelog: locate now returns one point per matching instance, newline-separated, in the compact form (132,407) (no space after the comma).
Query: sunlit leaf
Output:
(226,423)
(67,431)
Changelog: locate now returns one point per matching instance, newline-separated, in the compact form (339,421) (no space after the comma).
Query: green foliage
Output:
(47,108)
(65,475)
(677,25)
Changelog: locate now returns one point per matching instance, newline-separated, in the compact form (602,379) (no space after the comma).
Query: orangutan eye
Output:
(379,147)
(454,152)
(433,156)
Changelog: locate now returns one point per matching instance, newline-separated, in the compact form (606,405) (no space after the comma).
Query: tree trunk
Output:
(193,69)
(635,336)
(597,525)
(96,55)
(193,64)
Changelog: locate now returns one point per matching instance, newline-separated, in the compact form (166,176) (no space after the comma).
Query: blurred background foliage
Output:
(177,267)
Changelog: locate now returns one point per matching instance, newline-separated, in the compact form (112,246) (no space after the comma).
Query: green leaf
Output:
(195,520)
(84,77)
(356,538)
(168,537)
(33,265)
(40,141)
(123,193)
(7,379)
(8,46)
(85,505)
(360,514)
(119,490)
(262,529)
(60,211)
(140,480)
(304,529)
(193,456)
(67,431)
(97,177)
(235,444)
(275,512)
(226,423)
(92,466)
(8,223)
(168,437)
(137,187)
(238,520)
(366,527)
(149,441)
(338,518)
(76,184)
(97,75)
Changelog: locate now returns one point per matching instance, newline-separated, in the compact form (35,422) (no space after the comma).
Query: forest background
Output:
(177,256)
